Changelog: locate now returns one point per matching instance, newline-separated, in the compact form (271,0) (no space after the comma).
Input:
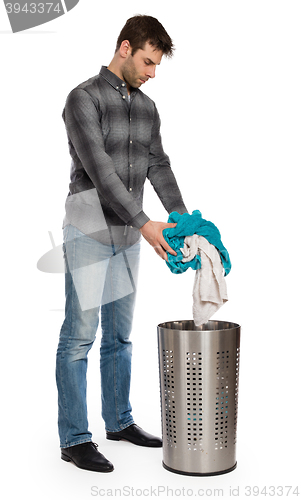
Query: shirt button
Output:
(123,85)
(123,97)
(131,189)
(117,87)
(131,142)
(131,165)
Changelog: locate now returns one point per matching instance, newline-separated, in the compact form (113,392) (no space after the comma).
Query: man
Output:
(114,140)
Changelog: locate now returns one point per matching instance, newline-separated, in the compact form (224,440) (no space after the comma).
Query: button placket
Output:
(122,91)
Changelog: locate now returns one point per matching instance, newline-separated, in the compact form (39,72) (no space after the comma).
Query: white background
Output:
(230,106)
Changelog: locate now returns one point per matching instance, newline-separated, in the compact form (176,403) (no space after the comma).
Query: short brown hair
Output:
(141,29)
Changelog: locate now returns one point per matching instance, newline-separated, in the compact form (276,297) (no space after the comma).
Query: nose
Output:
(151,72)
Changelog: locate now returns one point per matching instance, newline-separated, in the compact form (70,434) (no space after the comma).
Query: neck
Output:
(115,68)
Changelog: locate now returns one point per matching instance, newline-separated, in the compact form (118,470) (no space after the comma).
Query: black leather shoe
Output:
(85,456)
(134,434)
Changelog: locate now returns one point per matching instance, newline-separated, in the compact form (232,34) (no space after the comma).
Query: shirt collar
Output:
(115,81)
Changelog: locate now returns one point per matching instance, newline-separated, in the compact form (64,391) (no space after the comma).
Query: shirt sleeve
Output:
(83,127)
(161,175)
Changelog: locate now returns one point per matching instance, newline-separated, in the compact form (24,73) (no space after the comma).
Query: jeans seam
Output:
(122,427)
(76,443)
(70,329)
(115,349)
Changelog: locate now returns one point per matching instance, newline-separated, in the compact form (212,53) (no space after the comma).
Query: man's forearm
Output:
(165,185)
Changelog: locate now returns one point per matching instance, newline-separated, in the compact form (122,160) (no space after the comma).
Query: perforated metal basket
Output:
(199,372)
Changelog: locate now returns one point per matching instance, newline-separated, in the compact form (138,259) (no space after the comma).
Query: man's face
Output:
(137,69)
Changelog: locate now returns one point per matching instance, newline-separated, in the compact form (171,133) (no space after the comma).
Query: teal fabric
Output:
(187,225)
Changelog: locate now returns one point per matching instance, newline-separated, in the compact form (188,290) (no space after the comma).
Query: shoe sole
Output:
(115,438)
(68,459)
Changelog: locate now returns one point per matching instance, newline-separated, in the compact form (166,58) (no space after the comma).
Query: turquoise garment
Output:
(187,225)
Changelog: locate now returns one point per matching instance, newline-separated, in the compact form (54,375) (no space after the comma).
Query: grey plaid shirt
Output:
(115,144)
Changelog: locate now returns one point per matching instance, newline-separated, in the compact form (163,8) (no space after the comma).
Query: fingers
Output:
(153,233)
(164,246)
(168,248)
(160,251)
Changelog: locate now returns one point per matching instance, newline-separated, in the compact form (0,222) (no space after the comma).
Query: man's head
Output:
(139,30)
(138,68)
(140,47)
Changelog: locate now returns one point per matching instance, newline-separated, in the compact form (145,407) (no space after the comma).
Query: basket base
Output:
(185,473)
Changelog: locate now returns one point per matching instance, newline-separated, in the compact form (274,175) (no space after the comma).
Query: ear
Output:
(125,48)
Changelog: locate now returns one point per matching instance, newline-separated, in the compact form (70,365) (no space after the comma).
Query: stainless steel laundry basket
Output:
(199,370)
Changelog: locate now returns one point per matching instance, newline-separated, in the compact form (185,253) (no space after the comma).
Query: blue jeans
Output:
(97,277)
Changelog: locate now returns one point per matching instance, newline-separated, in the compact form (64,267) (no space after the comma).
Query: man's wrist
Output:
(139,220)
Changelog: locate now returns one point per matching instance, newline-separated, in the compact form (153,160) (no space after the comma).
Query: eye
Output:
(147,63)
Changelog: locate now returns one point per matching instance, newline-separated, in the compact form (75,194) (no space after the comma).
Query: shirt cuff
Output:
(139,220)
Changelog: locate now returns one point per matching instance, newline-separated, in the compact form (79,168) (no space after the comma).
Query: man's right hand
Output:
(152,232)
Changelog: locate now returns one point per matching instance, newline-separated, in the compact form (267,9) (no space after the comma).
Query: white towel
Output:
(209,289)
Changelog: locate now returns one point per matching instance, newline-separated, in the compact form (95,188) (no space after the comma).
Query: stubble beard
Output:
(130,74)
